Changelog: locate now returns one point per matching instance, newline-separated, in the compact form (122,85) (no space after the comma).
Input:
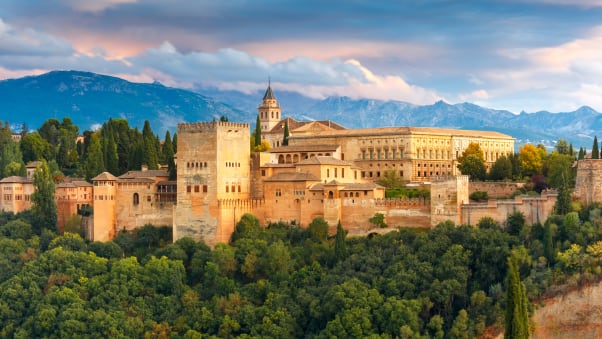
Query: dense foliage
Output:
(284,281)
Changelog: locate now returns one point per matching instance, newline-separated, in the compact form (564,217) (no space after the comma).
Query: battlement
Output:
(210,126)
(242,203)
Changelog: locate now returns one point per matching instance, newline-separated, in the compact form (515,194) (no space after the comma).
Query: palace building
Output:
(325,171)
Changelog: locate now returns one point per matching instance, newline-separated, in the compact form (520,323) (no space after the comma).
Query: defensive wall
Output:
(495,190)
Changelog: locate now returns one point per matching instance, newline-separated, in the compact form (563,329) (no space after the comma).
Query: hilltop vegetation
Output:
(284,281)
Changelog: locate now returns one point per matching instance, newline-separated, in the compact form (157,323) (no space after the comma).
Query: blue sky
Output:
(515,55)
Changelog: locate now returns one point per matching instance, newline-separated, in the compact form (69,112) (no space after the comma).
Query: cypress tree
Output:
(257,134)
(516,318)
(168,155)
(340,248)
(43,204)
(581,153)
(286,134)
(150,155)
(571,150)
(94,160)
(111,157)
(595,149)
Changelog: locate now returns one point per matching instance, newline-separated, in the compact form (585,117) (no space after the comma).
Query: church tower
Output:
(269,111)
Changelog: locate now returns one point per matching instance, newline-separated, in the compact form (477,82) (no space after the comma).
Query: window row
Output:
(196,164)
(196,188)
(381,154)
(376,174)
(232,164)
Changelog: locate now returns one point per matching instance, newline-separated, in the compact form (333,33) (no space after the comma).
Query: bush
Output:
(479,196)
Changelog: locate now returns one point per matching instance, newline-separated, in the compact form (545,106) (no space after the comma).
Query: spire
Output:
(269,95)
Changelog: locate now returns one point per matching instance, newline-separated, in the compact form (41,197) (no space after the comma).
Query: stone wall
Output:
(588,183)
(495,190)
(534,208)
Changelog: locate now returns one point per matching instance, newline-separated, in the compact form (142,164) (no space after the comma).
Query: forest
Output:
(284,281)
(278,280)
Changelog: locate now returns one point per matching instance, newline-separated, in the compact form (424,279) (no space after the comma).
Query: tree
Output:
(531,159)
(286,134)
(515,222)
(516,324)
(150,155)
(558,170)
(318,229)
(595,149)
(43,204)
(581,154)
(340,247)
(168,156)
(390,180)
(563,147)
(563,201)
(501,169)
(472,162)
(257,133)
(94,160)
(378,220)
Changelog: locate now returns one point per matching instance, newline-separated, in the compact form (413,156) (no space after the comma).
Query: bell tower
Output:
(269,110)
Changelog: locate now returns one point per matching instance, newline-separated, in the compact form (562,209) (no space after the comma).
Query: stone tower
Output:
(213,165)
(104,207)
(448,193)
(269,111)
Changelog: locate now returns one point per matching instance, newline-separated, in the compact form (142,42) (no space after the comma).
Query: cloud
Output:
(237,70)
(95,5)
(30,42)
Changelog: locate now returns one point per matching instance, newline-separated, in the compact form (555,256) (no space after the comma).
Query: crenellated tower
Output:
(269,111)
(213,164)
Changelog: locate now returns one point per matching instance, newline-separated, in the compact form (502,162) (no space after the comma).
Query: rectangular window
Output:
(335,172)
(227,189)
(263,173)
(204,188)
(196,188)
(342,172)
(188,189)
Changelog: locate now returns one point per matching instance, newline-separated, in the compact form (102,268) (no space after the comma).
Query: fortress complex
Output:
(325,171)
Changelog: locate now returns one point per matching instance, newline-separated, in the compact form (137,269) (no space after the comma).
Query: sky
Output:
(514,55)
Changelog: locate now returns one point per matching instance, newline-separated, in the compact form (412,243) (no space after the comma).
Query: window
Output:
(188,189)
(342,172)
(204,188)
(196,188)
(136,199)
(278,192)
(148,198)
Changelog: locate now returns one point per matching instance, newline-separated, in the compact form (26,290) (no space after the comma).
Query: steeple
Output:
(269,110)
(269,95)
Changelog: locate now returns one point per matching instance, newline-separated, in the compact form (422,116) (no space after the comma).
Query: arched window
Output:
(330,195)
(136,199)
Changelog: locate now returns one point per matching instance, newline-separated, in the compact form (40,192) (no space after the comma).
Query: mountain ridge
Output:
(90,99)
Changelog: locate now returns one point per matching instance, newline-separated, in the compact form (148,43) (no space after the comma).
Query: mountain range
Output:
(90,99)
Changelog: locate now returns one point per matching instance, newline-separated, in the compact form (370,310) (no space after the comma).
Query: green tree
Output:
(111,157)
(94,160)
(563,147)
(168,156)
(581,154)
(391,180)
(246,227)
(459,329)
(563,201)
(501,169)
(43,204)
(515,222)
(34,147)
(340,247)
(516,324)
(11,160)
(595,149)
(558,170)
(286,134)
(257,133)
(318,229)
(472,162)
(378,220)
(150,155)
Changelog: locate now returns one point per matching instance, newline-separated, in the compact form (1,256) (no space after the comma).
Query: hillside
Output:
(90,99)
